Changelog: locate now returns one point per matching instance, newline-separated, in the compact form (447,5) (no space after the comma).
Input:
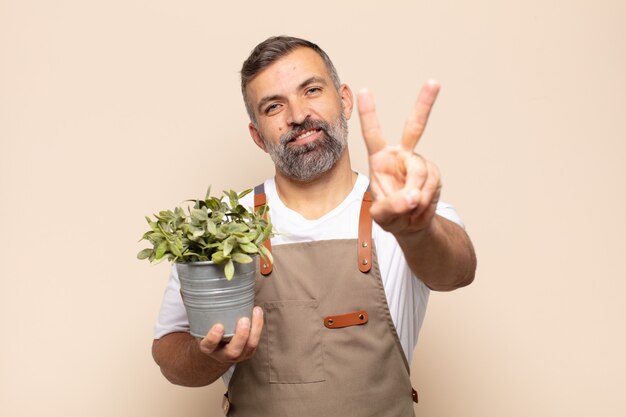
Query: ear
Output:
(254,133)
(346,100)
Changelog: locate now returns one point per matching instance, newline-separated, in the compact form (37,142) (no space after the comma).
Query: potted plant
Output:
(215,245)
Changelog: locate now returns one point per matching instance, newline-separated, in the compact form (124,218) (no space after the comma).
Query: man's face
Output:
(301,118)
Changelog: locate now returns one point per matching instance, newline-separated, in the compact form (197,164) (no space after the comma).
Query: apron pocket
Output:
(295,350)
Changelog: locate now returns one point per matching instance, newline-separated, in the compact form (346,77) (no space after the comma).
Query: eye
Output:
(313,90)
(272,108)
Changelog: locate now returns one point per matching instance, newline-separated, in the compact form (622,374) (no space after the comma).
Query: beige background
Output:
(112,110)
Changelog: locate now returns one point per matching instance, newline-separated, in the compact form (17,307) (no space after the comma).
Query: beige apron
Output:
(329,346)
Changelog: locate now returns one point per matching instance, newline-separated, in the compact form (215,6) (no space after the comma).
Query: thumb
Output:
(396,204)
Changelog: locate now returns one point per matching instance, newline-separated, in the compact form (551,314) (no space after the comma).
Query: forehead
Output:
(286,74)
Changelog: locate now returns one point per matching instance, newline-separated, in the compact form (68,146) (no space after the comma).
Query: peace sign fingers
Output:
(418,118)
(405,185)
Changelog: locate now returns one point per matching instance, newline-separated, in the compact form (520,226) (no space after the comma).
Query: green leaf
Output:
(245,193)
(262,210)
(213,204)
(199,215)
(228,245)
(232,197)
(243,239)
(144,254)
(267,231)
(266,254)
(249,248)
(241,211)
(160,251)
(218,257)
(241,258)
(180,213)
(146,236)
(196,231)
(229,269)
(233,228)
(175,249)
(211,228)
(157,261)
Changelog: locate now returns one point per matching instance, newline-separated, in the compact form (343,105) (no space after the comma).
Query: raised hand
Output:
(406,186)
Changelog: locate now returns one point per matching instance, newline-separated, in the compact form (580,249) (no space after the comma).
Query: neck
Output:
(315,198)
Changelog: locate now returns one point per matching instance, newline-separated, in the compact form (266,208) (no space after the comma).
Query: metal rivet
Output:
(330,322)
(361,316)
(364,261)
(364,244)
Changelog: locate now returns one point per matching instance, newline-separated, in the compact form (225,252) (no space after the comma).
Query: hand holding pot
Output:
(241,346)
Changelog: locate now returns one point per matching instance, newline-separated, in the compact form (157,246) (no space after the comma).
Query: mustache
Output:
(307,124)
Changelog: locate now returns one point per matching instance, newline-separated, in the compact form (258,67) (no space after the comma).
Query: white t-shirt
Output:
(407,296)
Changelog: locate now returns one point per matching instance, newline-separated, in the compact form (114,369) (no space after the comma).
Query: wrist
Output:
(414,237)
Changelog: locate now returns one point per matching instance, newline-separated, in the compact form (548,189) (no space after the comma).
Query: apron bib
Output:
(329,346)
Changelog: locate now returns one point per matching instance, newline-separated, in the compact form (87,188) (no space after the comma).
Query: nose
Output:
(298,112)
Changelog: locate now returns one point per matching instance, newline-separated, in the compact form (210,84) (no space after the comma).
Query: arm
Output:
(442,255)
(185,360)
(406,190)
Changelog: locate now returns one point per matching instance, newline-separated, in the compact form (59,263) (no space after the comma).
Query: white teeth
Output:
(305,134)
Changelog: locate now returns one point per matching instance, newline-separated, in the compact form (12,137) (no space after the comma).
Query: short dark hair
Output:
(270,51)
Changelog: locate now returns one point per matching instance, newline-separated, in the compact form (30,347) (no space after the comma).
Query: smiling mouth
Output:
(302,136)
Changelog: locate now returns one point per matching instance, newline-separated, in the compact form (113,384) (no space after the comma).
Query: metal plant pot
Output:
(210,298)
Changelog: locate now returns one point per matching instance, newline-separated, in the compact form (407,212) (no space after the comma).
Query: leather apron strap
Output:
(364,252)
(259,200)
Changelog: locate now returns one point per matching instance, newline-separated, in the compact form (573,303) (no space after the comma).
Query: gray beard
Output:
(310,160)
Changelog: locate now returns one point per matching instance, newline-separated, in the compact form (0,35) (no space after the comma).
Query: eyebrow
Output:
(303,84)
(312,80)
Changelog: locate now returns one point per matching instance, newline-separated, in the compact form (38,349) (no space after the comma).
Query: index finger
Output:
(369,122)
(416,121)
(235,347)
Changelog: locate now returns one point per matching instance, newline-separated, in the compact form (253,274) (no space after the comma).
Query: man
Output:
(339,311)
